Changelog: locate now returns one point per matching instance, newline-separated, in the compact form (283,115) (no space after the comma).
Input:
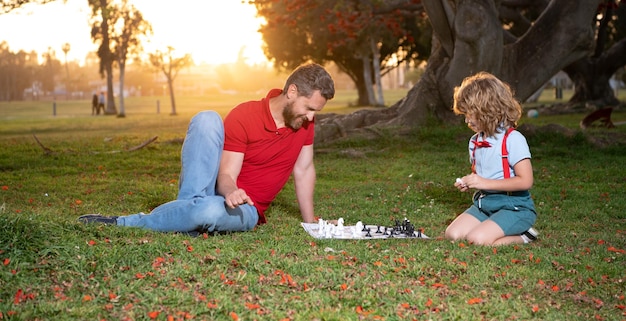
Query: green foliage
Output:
(52,267)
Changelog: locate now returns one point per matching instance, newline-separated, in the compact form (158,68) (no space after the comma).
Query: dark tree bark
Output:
(468,38)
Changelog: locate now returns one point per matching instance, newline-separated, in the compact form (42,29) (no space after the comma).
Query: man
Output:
(232,171)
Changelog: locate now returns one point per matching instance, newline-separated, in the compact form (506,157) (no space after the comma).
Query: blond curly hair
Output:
(489,101)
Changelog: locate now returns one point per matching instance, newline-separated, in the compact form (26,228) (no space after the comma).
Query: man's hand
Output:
(237,197)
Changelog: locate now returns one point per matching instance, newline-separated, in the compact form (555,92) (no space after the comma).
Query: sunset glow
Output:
(211,31)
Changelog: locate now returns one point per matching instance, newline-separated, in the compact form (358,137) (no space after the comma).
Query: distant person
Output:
(94,104)
(101,102)
(502,211)
(232,170)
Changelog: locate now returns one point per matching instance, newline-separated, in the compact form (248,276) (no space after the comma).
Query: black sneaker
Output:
(531,235)
(97,218)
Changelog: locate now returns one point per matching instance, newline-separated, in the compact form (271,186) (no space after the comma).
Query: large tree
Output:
(127,41)
(170,65)
(104,18)
(469,36)
(365,39)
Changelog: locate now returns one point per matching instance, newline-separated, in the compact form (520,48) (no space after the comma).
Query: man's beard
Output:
(292,120)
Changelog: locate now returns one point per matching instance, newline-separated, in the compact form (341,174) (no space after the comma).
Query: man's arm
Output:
(304,179)
(230,167)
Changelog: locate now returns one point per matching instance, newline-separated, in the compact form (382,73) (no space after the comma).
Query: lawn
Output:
(53,268)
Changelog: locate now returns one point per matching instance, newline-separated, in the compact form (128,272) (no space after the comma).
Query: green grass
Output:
(52,268)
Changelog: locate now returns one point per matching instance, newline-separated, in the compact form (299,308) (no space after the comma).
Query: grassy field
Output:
(53,268)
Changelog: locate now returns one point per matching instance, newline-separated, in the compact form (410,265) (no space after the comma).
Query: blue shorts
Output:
(514,213)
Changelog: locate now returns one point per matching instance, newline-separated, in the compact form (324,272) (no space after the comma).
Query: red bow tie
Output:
(479,144)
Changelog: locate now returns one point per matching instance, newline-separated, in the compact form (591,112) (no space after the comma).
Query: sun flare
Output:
(213,32)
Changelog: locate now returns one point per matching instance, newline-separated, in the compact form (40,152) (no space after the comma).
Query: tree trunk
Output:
(170,84)
(367,76)
(110,107)
(380,99)
(122,72)
(591,77)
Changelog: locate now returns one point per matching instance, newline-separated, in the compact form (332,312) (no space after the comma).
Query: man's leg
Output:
(197,206)
(207,213)
(201,155)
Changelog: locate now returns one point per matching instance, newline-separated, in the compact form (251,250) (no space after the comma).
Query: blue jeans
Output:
(198,207)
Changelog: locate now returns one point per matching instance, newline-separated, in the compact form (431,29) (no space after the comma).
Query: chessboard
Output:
(326,230)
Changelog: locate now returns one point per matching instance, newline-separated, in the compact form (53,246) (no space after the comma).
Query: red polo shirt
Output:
(269,153)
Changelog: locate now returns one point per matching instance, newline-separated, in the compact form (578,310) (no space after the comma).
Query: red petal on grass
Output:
(535,308)
(18,296)
(344,286)
(616,250)
(378,263)
(600,242)
(405,305)
(91,242)
(438,285)
(359,310)
(5,188)
(6,261)
(189,248)
(429,302)
(555,288)
(506,296)
(78,202)
(211,305)
(252,306)
(474,301)
(139,276)
(158,262)
(86,298)
(400,260)
(153,314)
(234,316)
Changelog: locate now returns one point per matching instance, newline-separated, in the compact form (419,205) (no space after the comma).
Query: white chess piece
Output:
(358,227)
(356,232)
(329,231)
(338,229)
(321,225)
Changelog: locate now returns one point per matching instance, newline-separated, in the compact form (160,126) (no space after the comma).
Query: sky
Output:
(212,31)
